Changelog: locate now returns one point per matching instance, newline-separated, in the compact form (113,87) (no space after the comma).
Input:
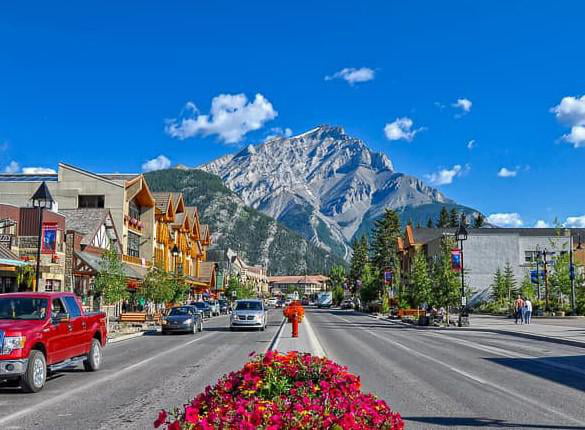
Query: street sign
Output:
(464,301)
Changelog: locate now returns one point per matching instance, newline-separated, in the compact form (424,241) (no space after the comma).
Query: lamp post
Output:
(41,199)
(175,252)
(537,274)
(545,274)
(461,236)
(572,272)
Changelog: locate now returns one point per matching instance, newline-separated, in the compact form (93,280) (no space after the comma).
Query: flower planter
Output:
(277,391)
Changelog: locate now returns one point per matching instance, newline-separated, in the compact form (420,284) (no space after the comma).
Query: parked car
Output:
(347,304)
(203,307)
(45,332)
(182,319)
(224,306)
(271,302)
(249,313)
(280,303)
(214,305)
(305,301)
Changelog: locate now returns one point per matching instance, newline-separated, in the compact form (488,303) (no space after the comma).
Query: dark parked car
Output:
(224,307)
(183,319)
(204,308)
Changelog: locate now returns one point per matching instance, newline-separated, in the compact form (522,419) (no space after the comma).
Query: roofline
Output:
(90,174)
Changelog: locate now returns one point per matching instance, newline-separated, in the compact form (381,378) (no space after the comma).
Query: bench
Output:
(133,317)
(411,313)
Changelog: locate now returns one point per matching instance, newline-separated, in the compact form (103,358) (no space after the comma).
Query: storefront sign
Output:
(6,240)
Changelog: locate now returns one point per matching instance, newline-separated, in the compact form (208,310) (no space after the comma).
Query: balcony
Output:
(139,261)
(134,224)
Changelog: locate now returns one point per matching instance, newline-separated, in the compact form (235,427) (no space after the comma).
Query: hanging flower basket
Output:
(295,308)
(291,391)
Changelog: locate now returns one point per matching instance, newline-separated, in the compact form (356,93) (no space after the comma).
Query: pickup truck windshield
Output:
(249,306)
(23,308)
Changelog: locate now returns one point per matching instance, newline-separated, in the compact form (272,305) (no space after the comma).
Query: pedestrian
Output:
(527,311)
(518,306)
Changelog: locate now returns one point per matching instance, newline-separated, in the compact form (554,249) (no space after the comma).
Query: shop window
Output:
(52,285)
(91,201)
(133,245)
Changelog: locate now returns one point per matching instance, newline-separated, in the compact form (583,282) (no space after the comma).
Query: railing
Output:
(136,260)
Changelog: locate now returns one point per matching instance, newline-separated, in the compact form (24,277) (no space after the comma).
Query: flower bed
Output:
(284,391)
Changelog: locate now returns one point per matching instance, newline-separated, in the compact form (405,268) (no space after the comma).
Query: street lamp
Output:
(175,252)
(572,272)
(461,236)
(41,199)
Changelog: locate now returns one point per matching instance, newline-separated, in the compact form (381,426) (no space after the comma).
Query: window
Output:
(52,285)
(91,201)
(57,308)
(72,306)
(133,245)
(134,210)
(529,256)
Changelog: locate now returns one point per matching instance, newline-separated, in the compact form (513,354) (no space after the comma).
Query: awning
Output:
(130,271)
(9,258)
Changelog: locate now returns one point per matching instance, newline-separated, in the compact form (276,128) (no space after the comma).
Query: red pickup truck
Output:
(45,332)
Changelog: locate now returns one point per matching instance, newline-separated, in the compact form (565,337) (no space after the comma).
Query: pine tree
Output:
(383,247)
(359,260)
(430,223)
(527,289)
(499,293)
(443,218)
(446,288)
(509,282)
(420,280)
(478,221)
(453,218)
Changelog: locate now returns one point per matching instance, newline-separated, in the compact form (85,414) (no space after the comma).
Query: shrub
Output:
(284,391)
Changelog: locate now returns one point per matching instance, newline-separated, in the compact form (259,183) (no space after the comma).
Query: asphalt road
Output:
(459,379)
(139,377)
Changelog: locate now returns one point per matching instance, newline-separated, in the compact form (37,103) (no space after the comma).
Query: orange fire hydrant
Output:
(295,325)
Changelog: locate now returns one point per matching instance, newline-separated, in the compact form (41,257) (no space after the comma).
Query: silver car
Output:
(249,313)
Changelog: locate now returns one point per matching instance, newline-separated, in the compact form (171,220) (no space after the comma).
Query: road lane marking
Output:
(92,384)
(513,394)
(313,340)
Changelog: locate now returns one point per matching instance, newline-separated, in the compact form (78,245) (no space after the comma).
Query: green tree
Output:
(430,223)
(359,260)
(337,279)
(239,289)
(453,218)
(421,284)
(25,275)
(478,221)
(157,287)
(559,281)
(383,248)
(110,281)
(444,218)
(369,289)
(509,283)
(499,293)
(527,288)
(446,289)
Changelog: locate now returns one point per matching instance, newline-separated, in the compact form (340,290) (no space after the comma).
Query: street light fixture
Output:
(175,252)
(41,199)
(461,236)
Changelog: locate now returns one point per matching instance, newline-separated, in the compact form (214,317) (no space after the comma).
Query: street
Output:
(435,379)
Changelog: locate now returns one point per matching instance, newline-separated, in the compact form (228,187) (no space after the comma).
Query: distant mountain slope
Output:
(326,185)
(259,238)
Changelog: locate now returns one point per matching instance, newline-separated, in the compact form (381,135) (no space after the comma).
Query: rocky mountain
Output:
(326,185)
(259,239)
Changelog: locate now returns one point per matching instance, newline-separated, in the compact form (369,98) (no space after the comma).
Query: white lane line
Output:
(94,383)
(520,397)
(313,340)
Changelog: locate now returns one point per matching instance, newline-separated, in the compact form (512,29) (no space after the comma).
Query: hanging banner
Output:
(387,278)
(456,260)
(49,242)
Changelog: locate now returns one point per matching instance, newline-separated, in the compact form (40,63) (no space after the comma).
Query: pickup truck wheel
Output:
(35,376)
(94,358)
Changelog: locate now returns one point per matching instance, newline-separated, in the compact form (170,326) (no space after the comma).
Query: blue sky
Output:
(95,84)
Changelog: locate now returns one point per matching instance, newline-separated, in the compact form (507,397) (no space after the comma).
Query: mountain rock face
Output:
(324,184)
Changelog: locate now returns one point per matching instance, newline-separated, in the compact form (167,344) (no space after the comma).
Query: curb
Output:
(539,337)
(129,336)
(276,337)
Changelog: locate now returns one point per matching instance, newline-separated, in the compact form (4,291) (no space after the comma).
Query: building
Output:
(306,285)
(488,249)
(255,275)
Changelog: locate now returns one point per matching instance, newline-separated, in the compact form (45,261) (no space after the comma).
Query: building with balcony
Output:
(305,285)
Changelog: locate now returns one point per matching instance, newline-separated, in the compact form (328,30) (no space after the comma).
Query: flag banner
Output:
(456,260)
(387,277)
(49,241)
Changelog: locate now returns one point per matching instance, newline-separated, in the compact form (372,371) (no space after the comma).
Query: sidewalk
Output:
(306,342)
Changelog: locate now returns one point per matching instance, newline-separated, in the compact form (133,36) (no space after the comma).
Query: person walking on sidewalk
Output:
(518,307)
(527,311)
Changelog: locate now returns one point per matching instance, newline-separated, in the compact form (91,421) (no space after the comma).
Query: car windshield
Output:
(180,311)
(249,306)
(200,305)
(23,308)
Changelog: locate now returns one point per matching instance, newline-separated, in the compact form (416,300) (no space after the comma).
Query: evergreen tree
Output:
(499,293)
(443,218)
(369,289)
(337,278)
(559,281)
(420,280)
(359,260)
(527,289)
(430,223)
(478,221)
(446,288)
(383,247)
(110,281)
(509,282)
(453,218)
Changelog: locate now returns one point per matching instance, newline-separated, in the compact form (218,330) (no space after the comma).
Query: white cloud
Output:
(401,129)
(571,111)
(446,176)
(13,167)
(575,221)
(463,104)
(507,173)
(352,75)
(541,224)
(37,170)
(512,219)
(231,117)
(278,132)
(471,144)
(159,163)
